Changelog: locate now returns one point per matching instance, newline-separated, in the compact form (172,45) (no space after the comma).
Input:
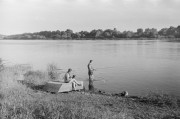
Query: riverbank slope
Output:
(22,101)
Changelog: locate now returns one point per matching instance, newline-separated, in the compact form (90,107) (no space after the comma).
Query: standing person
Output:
(69,79)
(90,74)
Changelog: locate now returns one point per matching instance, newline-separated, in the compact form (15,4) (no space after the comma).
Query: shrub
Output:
(35,78)
(53,72)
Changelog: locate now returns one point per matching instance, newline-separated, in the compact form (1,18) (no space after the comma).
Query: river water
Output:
(137,66)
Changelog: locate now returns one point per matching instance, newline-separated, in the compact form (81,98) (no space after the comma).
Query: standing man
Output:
(90,74)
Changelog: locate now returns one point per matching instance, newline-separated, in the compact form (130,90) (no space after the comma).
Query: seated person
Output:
(69,79)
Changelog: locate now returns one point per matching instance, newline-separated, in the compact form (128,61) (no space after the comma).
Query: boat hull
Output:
(58,86)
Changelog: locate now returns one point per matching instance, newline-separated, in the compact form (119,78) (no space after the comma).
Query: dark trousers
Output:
(91,86)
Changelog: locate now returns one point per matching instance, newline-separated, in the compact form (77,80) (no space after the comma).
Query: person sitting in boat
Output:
(69,79)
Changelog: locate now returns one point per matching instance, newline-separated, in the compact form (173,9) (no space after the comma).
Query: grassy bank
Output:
(23,101)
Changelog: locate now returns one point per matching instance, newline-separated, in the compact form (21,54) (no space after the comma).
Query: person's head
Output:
(90,61)
(69,70)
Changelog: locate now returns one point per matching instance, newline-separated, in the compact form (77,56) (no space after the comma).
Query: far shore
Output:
(110,34)
(108,39)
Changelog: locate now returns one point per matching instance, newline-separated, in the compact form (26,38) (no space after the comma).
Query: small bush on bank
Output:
(35,78)
(53,72)
(39,78)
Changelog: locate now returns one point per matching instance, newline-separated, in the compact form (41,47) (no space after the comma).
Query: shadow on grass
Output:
(38,87)
(160,99)
(33,86)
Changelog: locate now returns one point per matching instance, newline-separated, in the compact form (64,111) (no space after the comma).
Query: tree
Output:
(171,32)
(108,33)
(84,34)
(128,34)
(56,36)
(163,32)
(154,33)
(76,35)
(64,35)
(139,32)
(151,33)
(92,34)
(178,32)
(47,34)
(58,32)
(69,32)
(116,33)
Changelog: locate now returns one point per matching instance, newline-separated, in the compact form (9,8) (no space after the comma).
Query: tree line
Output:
(171,32)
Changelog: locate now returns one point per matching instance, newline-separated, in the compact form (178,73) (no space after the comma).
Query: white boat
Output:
(59,86)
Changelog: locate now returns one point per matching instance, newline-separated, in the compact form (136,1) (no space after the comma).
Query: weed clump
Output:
(53,72)
(35,78)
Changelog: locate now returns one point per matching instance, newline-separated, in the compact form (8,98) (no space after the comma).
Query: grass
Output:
(53,72)
(161,99)
(22,101)
(34,79)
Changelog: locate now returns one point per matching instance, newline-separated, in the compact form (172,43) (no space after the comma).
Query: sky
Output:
(22,16)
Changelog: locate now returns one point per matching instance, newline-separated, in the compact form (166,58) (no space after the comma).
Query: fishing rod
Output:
(62,70)
(94,69)
(99,79)
(103,68)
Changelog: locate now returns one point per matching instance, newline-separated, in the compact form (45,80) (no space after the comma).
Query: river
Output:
(136,66)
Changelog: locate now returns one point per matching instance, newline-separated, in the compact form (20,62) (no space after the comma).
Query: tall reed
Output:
(53,72)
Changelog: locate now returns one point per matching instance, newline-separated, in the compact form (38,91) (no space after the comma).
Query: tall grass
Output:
(35,78)
(53,72)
